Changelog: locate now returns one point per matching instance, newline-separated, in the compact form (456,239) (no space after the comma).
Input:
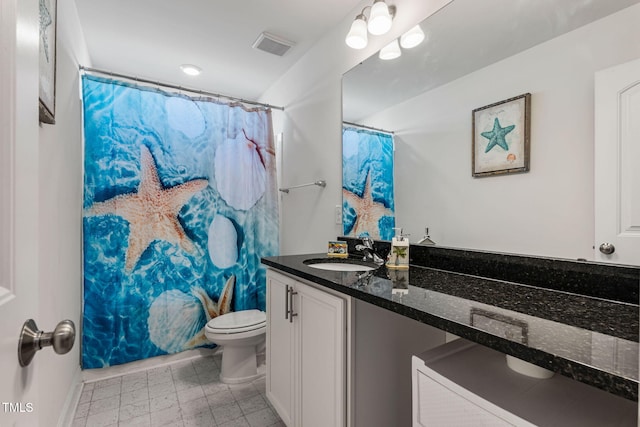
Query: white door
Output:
(617,164)
(18,204)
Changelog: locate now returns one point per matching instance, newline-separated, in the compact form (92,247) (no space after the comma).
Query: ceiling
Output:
(463,37)
(150,39)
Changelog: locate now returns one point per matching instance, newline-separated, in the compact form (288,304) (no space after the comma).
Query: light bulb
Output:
(390,51)
(380,19)
(357,37)
(412,38)
(190,69)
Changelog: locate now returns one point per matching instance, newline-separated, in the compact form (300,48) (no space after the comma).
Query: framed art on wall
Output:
(501,137)
(47,61)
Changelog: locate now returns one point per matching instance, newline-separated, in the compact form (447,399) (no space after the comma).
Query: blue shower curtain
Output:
(179,206)
(368,207)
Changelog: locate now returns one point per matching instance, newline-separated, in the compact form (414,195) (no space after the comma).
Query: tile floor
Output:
(186,393)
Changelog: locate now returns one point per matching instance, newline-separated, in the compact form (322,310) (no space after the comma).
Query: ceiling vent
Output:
(272,44)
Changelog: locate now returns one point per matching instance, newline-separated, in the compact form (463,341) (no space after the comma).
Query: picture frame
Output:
(47,69)
(501,137)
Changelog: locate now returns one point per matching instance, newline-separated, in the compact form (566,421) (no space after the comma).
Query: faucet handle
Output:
(367,242)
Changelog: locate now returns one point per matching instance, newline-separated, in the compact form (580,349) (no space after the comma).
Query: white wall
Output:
(548,211)
(311,92)
(60,222)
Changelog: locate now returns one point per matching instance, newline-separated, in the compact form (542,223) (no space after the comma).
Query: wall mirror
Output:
(476,54)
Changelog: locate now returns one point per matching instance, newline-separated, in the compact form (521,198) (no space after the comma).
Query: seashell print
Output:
(222,242)
(176,319)
(184,115)
(240,172)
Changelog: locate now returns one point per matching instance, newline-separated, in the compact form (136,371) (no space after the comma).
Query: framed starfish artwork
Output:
(501,137)
(47,60)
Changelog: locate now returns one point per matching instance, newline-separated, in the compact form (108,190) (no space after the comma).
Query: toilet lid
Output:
(238,321)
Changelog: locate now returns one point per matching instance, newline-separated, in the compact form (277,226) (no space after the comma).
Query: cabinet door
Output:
(279,355)
(321,362)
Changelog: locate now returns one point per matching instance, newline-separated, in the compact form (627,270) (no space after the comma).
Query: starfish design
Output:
(211,309)
(152,212)
(368,211)
(496,136)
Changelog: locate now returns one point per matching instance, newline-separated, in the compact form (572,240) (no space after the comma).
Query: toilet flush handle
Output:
(32,340)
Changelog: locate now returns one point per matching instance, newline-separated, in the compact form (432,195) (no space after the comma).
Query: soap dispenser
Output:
(399,255)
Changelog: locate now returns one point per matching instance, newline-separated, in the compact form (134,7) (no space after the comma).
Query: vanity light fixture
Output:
(380,18)
(190,69)
(412,38)
(390,51)
(357,36)
(379,22)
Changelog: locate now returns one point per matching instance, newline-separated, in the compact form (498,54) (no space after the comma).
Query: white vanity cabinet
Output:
(306,353)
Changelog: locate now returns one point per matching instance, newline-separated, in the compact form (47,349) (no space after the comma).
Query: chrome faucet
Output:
(369,252)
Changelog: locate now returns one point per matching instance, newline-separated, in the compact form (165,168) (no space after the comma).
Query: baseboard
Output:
(98,374)
(71,403)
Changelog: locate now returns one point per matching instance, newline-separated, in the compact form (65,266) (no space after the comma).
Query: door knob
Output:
(607,248)
(32,340)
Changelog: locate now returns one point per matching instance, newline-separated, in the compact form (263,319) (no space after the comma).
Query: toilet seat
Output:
(237,322)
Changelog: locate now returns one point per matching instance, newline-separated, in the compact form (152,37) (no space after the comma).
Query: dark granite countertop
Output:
(590,339)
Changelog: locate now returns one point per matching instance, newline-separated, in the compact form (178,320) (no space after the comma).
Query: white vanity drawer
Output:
(466,384)
(438,401)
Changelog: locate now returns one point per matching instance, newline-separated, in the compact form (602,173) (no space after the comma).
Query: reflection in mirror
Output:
(367,182)
(472,57)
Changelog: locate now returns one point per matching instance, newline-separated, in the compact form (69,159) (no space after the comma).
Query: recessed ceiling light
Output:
(191,70)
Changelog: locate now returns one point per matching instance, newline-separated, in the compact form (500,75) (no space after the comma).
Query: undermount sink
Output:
(339,264)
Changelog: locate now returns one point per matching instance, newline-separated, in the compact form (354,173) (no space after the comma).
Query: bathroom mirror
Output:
(476,54)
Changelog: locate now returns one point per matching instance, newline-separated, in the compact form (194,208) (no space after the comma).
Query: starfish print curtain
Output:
(367,183)
(180,204)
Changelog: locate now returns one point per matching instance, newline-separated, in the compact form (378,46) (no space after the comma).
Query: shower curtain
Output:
(367,183)
(179,206)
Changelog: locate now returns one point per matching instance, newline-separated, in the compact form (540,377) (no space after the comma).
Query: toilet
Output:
(239,333)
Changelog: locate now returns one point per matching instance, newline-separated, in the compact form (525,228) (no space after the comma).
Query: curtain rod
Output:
(368,127)
(171,86)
